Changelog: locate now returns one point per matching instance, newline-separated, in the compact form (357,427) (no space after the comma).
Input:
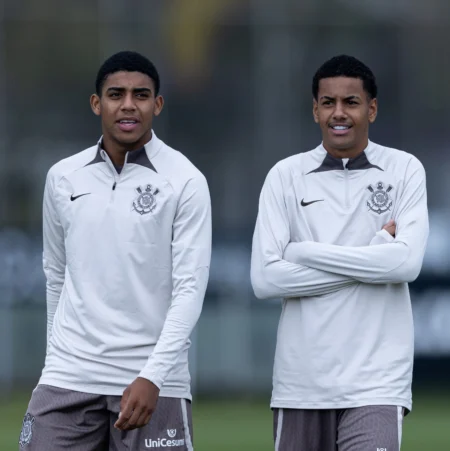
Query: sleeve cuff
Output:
(382,237)
(153,378)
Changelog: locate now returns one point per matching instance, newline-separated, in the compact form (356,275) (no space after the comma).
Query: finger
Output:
(143,419)
(116,424)
(122,422)
(147,419)
(132,422)
(125,414)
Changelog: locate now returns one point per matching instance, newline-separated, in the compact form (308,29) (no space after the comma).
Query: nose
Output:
(339,111)
(128,102)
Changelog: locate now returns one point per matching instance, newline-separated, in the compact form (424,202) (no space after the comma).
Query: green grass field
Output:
(247,425)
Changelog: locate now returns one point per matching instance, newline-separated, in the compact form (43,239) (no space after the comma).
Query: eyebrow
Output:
(135,90)
(352,97)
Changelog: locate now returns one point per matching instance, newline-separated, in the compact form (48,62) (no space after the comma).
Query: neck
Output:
(117,150)
(346,153)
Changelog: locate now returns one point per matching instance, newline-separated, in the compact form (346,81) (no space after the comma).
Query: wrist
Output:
(150,382)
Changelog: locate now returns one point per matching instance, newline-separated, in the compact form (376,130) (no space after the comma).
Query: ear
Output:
(95,104)
(315,111)
(159,104)
(373,110)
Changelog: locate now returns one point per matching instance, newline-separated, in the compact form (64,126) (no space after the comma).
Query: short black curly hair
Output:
(126,61)
(346,66)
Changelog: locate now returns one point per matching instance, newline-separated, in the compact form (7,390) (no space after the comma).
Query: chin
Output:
(130,139)
(127,139)
(343,147)
(340,145)
(346,141)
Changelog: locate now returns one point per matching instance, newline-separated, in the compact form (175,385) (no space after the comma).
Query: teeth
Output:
(127,122)
(340,127)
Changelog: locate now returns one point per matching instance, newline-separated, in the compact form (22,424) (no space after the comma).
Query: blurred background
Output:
(236,76)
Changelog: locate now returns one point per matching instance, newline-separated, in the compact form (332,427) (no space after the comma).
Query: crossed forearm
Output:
(390,263)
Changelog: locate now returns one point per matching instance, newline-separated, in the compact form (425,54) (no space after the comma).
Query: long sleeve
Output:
(293,251)
(271,275)
(54,255)
(191,255)
(393,262)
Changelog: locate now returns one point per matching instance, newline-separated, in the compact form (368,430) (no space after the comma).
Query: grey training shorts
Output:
(368,428)
(59,419)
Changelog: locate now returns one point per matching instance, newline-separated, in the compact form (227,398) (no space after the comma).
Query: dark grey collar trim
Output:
(140,157)
(136,157)
(98,158)
(361,162)
(331,163)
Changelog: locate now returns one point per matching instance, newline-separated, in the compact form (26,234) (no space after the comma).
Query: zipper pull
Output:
(114,186)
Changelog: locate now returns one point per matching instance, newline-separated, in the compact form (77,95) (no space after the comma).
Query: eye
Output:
(114,95)
(352,102)
(326,102)
(142,95)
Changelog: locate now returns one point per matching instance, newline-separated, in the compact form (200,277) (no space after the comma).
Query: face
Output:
(127,106)
(344,111)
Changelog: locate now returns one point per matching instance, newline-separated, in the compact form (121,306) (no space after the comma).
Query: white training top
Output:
(345,336)
(127,259)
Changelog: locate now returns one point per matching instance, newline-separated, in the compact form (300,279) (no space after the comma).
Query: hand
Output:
(390,227)
(137,404)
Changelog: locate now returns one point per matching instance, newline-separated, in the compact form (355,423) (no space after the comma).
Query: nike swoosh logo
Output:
(72,197)
(305,204)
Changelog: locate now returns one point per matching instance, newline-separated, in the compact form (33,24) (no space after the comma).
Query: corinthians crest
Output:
(379,200)
(27,430)
(145,202)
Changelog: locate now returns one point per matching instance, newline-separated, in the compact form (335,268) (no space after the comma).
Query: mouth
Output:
(128,124)
(339,129)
